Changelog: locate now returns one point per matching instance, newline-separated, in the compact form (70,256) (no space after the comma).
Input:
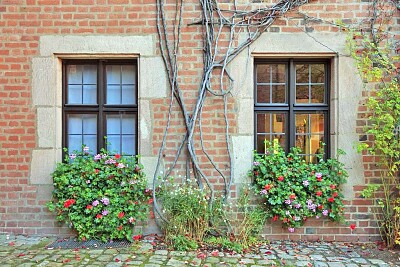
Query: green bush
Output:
(101,196)
(293,190)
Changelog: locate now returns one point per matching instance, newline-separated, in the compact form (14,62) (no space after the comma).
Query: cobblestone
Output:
(32,251)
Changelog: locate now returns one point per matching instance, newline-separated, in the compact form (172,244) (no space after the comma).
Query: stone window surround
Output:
(46,93)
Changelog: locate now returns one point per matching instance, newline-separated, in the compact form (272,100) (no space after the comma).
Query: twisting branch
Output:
(218,53)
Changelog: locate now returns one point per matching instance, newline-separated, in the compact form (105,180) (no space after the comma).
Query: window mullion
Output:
(101,97)
(292,96)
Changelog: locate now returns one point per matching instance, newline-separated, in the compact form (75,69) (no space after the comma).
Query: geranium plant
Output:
(294,190)
(101,196)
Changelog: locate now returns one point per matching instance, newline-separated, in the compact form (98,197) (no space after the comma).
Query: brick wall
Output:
(23,22)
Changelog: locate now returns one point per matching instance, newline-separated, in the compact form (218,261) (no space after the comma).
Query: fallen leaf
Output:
(21,255)
(11,244)
(215,253)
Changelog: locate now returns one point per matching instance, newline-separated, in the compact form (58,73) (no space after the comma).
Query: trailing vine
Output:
(376,50)
(222,31)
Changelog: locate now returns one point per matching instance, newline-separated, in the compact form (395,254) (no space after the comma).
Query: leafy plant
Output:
(101,196)
(189,212)
(224,243)
(377,64)
(293,190)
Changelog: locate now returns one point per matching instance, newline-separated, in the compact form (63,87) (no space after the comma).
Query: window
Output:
(292,104)
(100,99)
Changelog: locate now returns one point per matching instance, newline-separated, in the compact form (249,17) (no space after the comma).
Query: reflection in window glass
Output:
(271,83)
(310,83)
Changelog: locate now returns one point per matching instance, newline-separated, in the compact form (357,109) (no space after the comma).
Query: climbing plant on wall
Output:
(376,51)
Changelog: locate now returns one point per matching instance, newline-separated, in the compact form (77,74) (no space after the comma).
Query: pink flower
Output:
(291,229)
(121,214)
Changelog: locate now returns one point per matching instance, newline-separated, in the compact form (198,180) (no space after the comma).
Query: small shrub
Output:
(101,196)
(294,190)
(189,213)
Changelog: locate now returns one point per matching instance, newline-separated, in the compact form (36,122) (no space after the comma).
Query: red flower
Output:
(320,207)
(68,203)
(152,214)
(352,226)
(121,214)
(319,179)
(117,156)
(150,201)
(292,196)
(137,237)
(331,199)
(89,207)
(99,216)
(96,170)
(280,178)
(335,194)
(275,218)
(319,193)
(333,186)
(267,187)
(120,228)
(255,173)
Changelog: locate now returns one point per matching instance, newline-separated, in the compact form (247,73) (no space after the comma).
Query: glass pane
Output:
(75,124)
(302,73)
(74,75)
(128,144)
(113,124)
(89,74)
(317,123)
(317,94)
(89,94)
(128,74)
(264,123)
(278,94)
(261,146)
(317,73)
(128,124)
(263,94)
(278,123)
(114,143)
(74,143)
(128,94)
(302,94)
(74,94)
(90,124)
(263,73)
(91,142)
(278,73)
(113,74)
(113,94)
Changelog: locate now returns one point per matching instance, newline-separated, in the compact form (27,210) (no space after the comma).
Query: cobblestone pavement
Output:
(33,251)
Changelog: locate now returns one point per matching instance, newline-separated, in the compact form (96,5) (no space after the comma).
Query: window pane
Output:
(302,94)
(128,94)
(129,124)
(309,132)
(263,123)
(82,129)
(113,124)
(74,75)
(278,94)
(278,73)
(89,94)
(261,146)
(317,73)
(82,84)
(263,73)
(302,73)
(128,74)
(114,143)
(263,94)
(128,144)
(89,74)
(317,94)
(113,74)
(122,127)
(113,94)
